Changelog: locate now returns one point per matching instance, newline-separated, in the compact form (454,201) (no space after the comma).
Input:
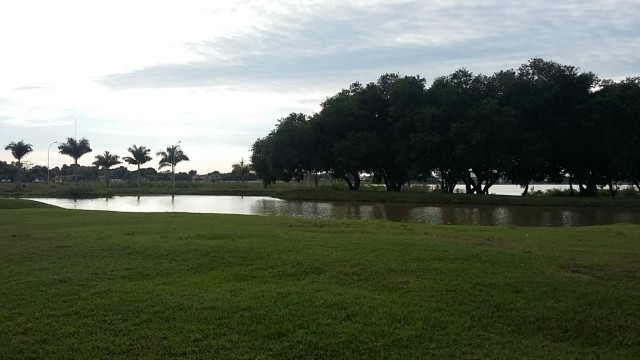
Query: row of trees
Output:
(78,148)
(20,171)
(542,122)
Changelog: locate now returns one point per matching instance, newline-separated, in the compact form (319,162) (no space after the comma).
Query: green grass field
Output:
(102,285)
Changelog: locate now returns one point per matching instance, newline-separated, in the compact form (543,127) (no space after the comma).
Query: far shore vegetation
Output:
(107,285)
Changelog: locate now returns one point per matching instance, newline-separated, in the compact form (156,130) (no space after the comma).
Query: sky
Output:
(217,75)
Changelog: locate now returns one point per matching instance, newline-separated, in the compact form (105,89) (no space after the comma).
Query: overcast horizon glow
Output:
(218,75)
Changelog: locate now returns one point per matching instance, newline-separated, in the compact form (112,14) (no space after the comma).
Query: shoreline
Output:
(297,192)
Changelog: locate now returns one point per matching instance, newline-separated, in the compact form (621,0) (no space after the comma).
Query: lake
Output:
(429,214)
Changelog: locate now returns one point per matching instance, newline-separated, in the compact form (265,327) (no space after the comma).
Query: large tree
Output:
(261,159)
(106,161)
(444,126)
(172,156)
(335,130)
(285,153)
(366,129)
(139,156)
(19,150)
(75,149)
(612,115)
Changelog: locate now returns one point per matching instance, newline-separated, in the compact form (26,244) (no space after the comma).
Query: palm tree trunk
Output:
(173,171)
(75,172)
(138,175)
(19,172)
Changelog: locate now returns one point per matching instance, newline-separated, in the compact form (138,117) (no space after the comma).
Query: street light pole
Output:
(55,142)
(173,163)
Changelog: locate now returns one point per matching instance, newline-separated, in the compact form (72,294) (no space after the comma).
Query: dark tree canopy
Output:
(541,122)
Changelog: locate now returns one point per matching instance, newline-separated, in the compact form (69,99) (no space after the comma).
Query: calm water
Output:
(441,214)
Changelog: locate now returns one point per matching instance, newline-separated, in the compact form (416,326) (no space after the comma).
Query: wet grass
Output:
(111,285)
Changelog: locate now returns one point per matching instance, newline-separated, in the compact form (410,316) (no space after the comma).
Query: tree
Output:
(550,100)
(484,138)
(241,168)
(333,129)
(366,128)
(106,161)
(261,160)
(612,113)
(75,149)
(450,101)
(139,156)
(284,153)
(172,156)
(19,150)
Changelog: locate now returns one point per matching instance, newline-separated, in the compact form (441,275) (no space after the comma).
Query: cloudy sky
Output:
(217,75)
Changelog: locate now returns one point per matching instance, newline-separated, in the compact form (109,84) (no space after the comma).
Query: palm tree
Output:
(140,155)
(106,161)
(19,150)
(242,169)
(171,157)
(75,149)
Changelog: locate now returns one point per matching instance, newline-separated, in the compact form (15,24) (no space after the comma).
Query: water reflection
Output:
(445,214)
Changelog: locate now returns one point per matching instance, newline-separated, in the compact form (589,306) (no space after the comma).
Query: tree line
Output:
(541,122)
(78,148)
(106,163)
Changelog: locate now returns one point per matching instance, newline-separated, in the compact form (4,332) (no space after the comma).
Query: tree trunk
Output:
(75,172)
(613,189)
(391,182)
(19,172)
(589,190)
(467,186)
(356,180)
(526,189)
(349,184)
(448,182)
(571,191)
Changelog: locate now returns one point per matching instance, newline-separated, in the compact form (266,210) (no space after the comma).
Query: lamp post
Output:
(49,149)
(173,162)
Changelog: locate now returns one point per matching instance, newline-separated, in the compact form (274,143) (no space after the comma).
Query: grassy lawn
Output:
(105,285)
